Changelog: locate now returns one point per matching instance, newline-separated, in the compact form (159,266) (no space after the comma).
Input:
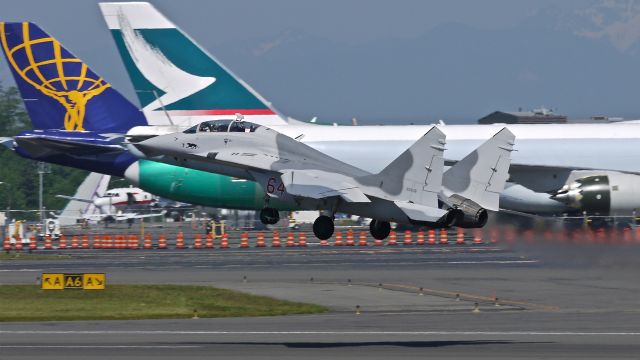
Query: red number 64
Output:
(271,186)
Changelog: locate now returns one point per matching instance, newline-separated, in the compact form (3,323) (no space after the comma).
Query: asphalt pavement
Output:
(553,301)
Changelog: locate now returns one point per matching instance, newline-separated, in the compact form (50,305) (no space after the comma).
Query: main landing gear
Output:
(379,229)
(269,216)
(323,227)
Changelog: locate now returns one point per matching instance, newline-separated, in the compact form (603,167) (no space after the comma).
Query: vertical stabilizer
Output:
(416,175)
(176,80)
(481,175)
(93,186)
(59,90)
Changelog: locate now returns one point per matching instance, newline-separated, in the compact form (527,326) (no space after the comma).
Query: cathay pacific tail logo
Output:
(176,83)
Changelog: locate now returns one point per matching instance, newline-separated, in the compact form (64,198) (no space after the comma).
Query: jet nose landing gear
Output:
(323,227)
(269,216)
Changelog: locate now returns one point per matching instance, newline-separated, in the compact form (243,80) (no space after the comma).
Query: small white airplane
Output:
(94,203)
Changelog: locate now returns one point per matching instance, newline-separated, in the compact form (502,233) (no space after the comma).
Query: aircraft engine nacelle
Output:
(471,215)
(601,193)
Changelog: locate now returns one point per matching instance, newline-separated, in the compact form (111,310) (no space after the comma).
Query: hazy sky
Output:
(392,61)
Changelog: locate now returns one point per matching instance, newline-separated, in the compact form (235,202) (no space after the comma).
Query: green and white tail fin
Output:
(176,80)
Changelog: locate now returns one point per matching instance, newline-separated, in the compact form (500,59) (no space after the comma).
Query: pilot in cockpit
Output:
(223,126)
(205,127)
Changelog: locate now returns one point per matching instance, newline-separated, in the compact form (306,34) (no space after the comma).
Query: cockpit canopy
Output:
(222,126)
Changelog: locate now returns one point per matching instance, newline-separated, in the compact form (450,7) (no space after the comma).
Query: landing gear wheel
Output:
(379,229)
(323,227)
(269,216)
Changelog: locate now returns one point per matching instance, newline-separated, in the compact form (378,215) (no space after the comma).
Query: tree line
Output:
(19,175)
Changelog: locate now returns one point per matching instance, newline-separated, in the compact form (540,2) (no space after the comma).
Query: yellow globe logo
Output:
(71,85)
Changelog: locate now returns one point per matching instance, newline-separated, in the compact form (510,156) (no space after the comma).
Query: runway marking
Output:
(18,270)
(101,346)
(311,332)
(465,296)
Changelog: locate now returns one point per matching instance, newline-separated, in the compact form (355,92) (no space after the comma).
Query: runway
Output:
(412,302)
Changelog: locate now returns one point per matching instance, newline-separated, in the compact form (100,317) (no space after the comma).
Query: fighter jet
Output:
(409,190)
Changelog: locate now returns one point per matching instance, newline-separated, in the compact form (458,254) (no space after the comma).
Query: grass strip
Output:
(131,302)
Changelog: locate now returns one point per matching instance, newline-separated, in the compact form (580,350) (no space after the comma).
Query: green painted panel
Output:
(203,188)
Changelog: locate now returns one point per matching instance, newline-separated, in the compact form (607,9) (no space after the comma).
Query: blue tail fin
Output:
(59,90)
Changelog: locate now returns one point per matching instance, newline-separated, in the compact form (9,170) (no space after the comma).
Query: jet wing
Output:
(318,184)
(40,146)
(245,160)
(419,212)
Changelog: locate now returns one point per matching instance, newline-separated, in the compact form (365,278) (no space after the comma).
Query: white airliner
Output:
(550,157)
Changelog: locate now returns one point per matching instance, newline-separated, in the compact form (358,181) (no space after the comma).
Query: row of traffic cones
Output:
(292,240)
(508,235)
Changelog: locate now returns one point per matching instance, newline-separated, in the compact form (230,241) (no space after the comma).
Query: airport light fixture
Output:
(8,217)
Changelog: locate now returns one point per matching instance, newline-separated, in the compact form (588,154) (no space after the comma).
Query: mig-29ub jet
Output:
(409,190)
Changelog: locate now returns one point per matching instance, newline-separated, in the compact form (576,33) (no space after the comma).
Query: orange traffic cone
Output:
(444,237)
(493,239)
(162,242)
(363,239)
(224,243)
(393,239)
(85,241)
(527,235)
(408,238)
(33,245)
(338,241)
(97,243)
(432,237)
(460,237)
(107,242)
(244,240)
(62,244)
(197,242)
(290,240)
(324,243)
(350,240)
(48,245)
(302,240)
(180,240)
(420,238)
(260,240)
(119,242)
(6,245)
(74,242)
(275,239)
(147,243)
(477,237)
(18,244)
(134,242)
(209,241)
